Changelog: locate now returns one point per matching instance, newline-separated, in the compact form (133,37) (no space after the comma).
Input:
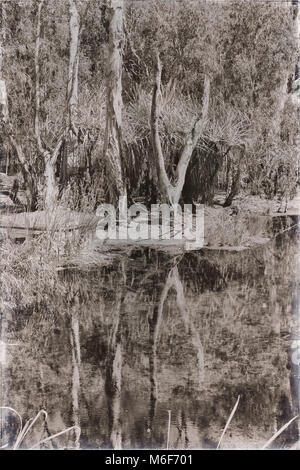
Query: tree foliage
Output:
(247,50)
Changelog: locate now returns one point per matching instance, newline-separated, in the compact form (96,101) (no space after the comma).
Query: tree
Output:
(113,144)
(72,89)
(8,130)
(172,191)
(50,156)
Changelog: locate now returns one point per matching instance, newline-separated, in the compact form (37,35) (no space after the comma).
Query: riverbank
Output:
(249,222)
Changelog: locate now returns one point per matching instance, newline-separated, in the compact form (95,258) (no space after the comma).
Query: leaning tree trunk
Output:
(113,145)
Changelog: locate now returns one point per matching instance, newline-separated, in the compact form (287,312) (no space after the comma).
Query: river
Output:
(125,347)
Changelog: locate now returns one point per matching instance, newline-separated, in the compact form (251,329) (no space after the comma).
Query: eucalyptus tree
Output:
(172,191)
(7,127)
(49,131)
(113,143)
(50,156)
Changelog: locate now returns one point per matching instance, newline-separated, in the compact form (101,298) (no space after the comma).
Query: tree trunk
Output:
(282,92)
(113,145)
(37,75)
(73,65)
(296,18)
(3,101)
(3,21)
(72,89)
(233,177)
(51,186)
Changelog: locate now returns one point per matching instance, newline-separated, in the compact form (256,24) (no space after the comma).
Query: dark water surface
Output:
(122,345)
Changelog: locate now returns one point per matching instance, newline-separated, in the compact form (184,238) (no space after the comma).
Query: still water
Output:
(124,347)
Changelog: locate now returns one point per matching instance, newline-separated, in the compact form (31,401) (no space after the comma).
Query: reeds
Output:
(269,442)
(280,431)
(24,430)
(228,421)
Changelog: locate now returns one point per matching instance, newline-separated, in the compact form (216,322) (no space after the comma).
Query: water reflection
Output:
(113,379)
(123,344)
(155,319)
(76,362)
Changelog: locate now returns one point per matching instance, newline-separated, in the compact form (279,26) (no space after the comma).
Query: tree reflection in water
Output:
(153,332)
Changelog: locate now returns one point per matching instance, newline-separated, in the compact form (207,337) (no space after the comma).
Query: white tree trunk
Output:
(113,134)
(51,186)
(73,65)
(3,102)
(72,155)
(37,75)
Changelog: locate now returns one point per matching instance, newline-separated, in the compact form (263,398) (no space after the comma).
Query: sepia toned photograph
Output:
(149,226)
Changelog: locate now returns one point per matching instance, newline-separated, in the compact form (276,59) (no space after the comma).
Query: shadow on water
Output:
(123,344)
